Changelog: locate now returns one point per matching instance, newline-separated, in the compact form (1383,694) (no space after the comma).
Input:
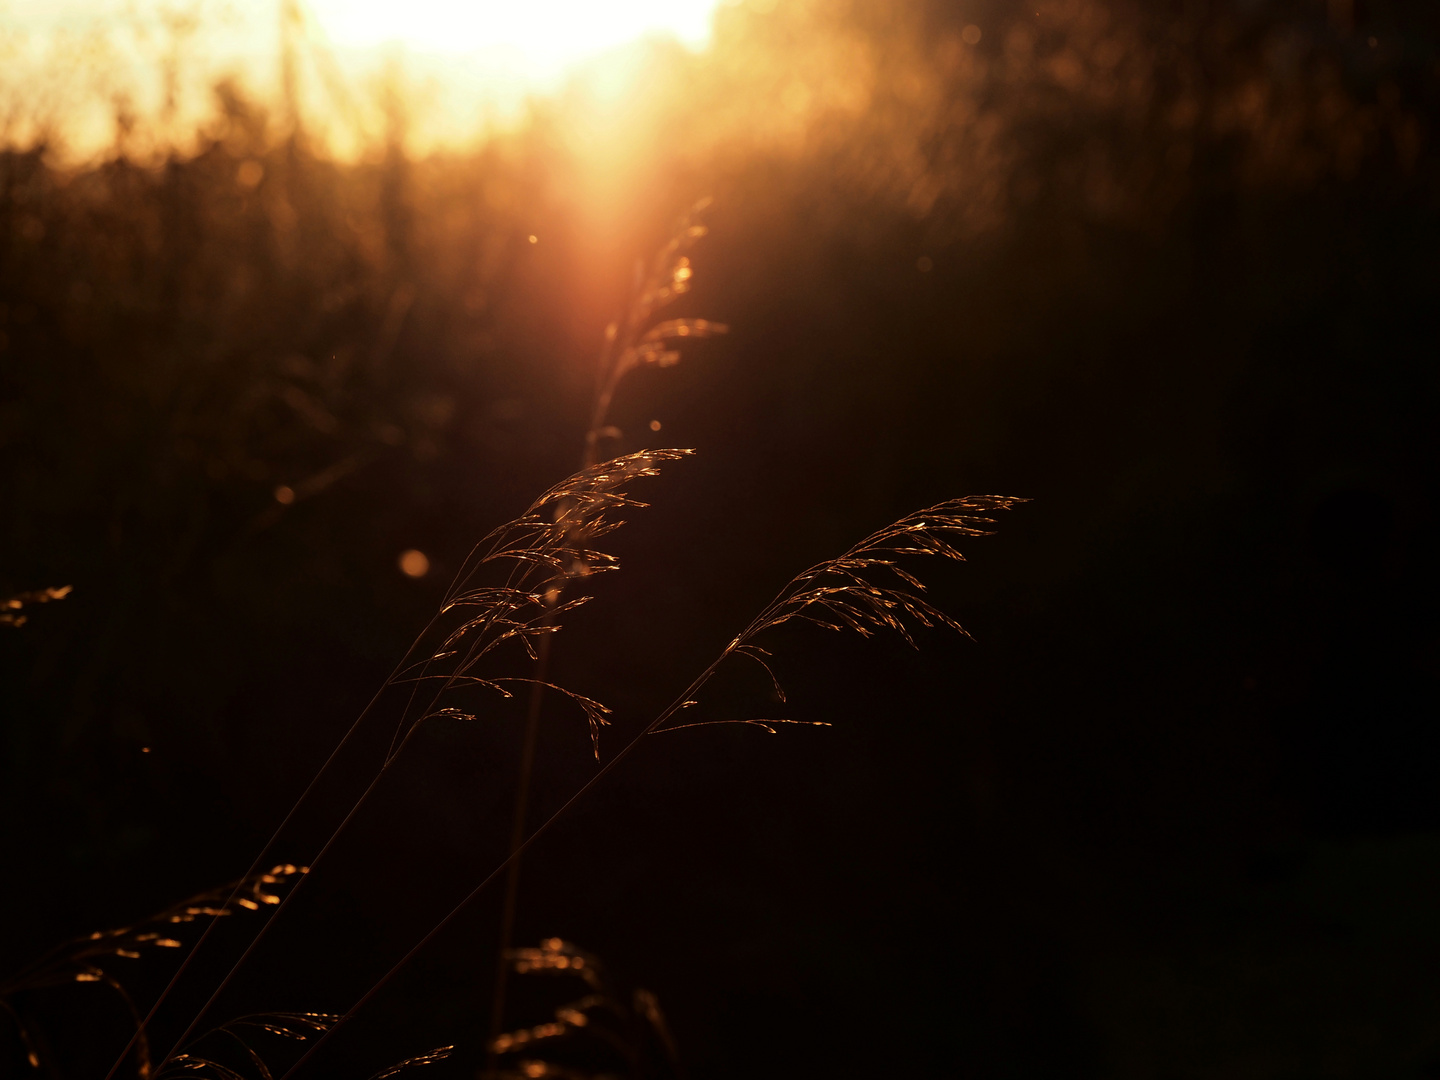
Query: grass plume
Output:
(630,344)
(507,594)
(553,541)
(633,342)
(547,547)
(597,1026)
(852,591)
(104,956)
(246,1047)
(11,609)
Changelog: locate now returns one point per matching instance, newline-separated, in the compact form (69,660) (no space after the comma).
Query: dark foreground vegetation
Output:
(1168,270)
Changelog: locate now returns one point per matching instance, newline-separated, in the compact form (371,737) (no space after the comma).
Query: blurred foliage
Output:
(1166,267)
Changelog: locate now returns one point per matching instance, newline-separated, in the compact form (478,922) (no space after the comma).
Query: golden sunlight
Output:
(540,38)
(455,61)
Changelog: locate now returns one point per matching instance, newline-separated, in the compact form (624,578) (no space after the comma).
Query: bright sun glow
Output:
(539,37)
(461,60)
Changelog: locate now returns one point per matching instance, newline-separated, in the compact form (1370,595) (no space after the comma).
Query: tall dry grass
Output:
(529,560)
(512,592)
(266,324)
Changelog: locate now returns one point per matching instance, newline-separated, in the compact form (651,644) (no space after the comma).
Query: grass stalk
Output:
(259,861)
(517,841)
(553,535)
(622,351)
(837,594)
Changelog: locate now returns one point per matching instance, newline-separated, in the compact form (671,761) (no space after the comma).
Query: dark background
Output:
(1173,811)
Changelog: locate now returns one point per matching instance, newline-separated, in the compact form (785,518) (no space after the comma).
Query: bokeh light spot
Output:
(250,174)
(414,563)
(284,494)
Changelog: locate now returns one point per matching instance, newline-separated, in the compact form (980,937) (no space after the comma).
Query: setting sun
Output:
(463,60)
(541,37)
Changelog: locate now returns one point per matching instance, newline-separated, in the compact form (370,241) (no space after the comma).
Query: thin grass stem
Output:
(868,608)
(531,543)
(260,859)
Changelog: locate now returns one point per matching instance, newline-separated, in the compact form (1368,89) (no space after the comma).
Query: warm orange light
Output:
(250,174)
(538,38)
(414,563)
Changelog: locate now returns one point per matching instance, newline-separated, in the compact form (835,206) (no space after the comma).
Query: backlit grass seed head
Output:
(107,957)
(865,590)
(537,555)
(851,591)
(11,609)
(246,1033)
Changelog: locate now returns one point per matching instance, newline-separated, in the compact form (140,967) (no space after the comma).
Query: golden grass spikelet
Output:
(633,342)
(548,546)
(853,591)
(88,959)
(238,1037)
(10,609)
(842,593)
(440,1053)
(599,1019)
(555,956)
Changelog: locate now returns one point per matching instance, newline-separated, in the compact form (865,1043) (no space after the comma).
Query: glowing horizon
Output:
(464,60)
(541,38)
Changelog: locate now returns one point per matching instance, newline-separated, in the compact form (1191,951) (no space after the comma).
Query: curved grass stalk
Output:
(88,959)
(557,532)
(842,593)
(629,345)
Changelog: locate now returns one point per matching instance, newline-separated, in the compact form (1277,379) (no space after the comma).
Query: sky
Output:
(548,33)
(471,57)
